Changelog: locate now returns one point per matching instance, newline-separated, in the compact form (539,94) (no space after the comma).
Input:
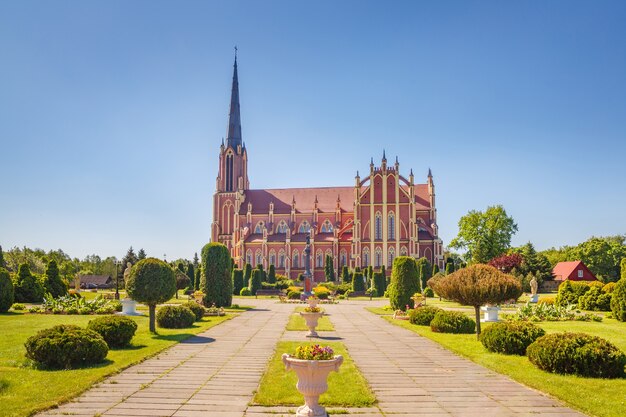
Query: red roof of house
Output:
(562,270)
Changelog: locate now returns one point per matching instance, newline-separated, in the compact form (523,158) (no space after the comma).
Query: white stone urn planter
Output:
(312,383)
(490,314)
(312,302)
(311,321)
(129,307)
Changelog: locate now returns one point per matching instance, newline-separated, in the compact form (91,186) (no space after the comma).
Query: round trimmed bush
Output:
(117,331)
(428,292)
(452,322)
(510,338)
(577,353)
(175,317)
(618,300)
(245,291)
(196,309)
(422,316)
(66,346)
(6,291)
(293,295)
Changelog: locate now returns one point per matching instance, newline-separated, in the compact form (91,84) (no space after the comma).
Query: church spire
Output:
(233,137)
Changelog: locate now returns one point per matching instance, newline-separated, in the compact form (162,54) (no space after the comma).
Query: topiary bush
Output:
(422,316)
(608,288)
(595,300)
(510,338)
(452,322)
(255,281)
(151,281)
(428,292)
(216,281)
(577,353)
(618,301)
(195,308)
(52,281)
(117,331)
(380,283)
(358,283)
(175,317)
(66,346)
(237,281)
(404,283)
(6,291)
(570,291)
(245,292)
(293,295)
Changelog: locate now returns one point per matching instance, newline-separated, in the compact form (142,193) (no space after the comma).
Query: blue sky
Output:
(112,112)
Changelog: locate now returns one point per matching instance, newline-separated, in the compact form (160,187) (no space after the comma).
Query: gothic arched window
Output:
(403,251)
(343,258)
(249,257)
(378,258)
(366,257)
(391,256)
(296,259)
(259,258)
(304,227)
(391,226)
(282,227)
(327,227)
(259,227)
(272,257)
(319,259)
(281,259)
(378,226)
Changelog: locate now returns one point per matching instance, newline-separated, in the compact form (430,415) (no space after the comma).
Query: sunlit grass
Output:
(346,388)
(297,323)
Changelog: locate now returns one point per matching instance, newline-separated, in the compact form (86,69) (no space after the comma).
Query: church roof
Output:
(305,199)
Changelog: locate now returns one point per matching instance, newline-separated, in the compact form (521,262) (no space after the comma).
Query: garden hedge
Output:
(175,317)
(117,331)
(452,322)
(422,316)
(66,346)
(6,291)
(511,338)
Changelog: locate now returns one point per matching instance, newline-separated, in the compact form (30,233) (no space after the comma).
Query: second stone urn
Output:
(312,375)
(311,319)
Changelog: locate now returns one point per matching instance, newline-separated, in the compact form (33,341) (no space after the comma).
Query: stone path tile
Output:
(214,373)
(412,375)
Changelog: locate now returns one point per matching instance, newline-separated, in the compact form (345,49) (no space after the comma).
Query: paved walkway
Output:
(215,373)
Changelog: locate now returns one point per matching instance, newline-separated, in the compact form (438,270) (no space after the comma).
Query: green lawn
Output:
(596,397)
(297,323)
(25,390)
(346,388)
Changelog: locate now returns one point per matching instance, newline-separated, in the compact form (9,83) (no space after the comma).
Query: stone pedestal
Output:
(312,383)
(311,322)
(534,298)
(490,314)
(129,307)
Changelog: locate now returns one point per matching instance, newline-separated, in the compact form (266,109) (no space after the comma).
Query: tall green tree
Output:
(7,295)
(345,275)
(623,268)
(271,275)
(237,281)
(192,276)
(404,282)
(216,280)
(52,281)
(141,254)
(485,235)
(329,269)
(247,274)
(2,262)
(424,271)
(129,257)
(255,280)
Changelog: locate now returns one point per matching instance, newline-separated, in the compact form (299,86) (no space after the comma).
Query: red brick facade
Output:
(381,216)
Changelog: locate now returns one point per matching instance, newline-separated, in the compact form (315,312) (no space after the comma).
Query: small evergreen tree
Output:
(404,282)
(345,275)
(255,280)
(384,272)
(618,300)
(358,282)
(52,281)
(182,280)
(237,281)
(435,271)
(329,269)
(129,257)
(196,281)
(424,270)
(449,268)
(141,254)
(6,291)
(379,283)
(196,261)
(3,264)
(216,280)
(247,273)
(191,274)
(271,276)
(27,288)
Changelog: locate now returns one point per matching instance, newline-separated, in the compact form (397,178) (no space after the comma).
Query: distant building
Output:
(94,281)
(573,270)
(384,214)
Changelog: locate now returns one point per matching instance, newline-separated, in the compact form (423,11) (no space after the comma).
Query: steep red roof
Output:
(563,270)
(305,199)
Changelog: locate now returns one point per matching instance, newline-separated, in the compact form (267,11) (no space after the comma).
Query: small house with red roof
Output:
(572,270)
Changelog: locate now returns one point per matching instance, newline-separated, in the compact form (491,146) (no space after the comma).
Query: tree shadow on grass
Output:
(13,313)
(185,338)
(130,347)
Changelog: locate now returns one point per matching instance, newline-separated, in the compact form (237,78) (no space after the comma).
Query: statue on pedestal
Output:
(534,297)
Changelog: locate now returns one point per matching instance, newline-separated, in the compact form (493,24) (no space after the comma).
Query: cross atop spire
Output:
(233,138)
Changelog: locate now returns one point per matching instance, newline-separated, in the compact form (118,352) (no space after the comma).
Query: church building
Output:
(382,215)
